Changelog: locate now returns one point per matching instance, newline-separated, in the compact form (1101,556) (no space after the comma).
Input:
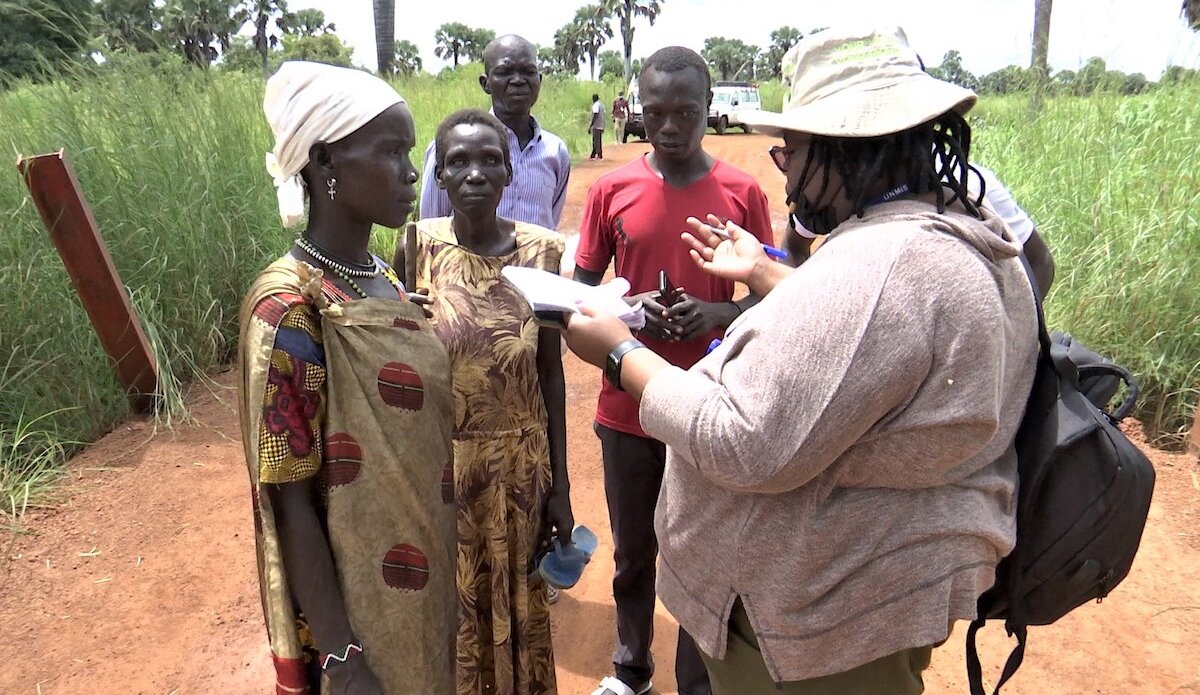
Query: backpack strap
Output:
(974,668)
(1042,397)
(1131,386)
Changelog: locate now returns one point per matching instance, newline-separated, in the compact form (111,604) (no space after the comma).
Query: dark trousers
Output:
(744,672)
(597,143)
(633,473)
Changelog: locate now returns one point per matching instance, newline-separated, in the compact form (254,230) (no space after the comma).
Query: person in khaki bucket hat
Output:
(845,84)
(840,473)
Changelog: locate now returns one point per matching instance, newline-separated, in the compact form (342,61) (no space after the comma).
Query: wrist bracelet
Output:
(347,653)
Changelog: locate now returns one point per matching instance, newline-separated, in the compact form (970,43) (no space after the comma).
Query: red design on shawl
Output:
(293,408)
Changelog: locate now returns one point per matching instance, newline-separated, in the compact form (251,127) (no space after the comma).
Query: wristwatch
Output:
(612,364)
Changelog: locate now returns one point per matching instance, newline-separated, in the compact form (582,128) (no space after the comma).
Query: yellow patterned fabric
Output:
(501,455)
(290,440)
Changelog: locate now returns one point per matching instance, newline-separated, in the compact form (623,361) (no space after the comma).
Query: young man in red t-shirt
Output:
(636,214)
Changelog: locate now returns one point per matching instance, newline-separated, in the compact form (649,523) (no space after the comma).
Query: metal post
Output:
(67,217)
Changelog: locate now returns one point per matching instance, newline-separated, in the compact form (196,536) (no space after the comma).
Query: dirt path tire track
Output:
(143,581)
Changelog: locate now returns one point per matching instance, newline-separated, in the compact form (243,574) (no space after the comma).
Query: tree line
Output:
(39,36)
(733,59)
(1093,77)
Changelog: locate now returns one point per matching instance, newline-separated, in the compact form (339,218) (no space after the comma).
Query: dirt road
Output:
(144,582)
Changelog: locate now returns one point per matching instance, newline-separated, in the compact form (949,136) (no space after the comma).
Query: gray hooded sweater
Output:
(844,460)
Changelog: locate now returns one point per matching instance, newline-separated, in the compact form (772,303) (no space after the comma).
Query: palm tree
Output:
(567,48)
(453,39)
(782,40)
(198,27)
(407,58)
(310,22)
(261,12)
(1191,12)
(593,31)
(385,34)
(728,57)
(625,12)
(480,38)
(1041,50)
(130,24)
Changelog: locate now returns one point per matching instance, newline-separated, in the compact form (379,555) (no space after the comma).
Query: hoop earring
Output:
(332,188)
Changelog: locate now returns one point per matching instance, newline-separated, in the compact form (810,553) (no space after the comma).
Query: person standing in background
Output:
(620,114)
(597,128)
(540,160)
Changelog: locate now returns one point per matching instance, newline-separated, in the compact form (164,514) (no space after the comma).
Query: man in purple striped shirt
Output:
(540,161)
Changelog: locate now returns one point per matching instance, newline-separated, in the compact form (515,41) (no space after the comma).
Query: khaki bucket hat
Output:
(857,83)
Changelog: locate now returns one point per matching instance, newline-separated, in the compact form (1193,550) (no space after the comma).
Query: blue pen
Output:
(771,251)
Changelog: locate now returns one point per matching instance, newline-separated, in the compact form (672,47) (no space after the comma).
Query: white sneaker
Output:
(613,685)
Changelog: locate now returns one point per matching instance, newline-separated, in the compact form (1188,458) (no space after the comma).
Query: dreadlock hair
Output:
(931,157)
(476,117)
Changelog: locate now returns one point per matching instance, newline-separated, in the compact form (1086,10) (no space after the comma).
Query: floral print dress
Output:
(501,455)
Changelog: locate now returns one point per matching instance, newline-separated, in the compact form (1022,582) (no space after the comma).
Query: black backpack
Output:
(1098,385)
(1083,494)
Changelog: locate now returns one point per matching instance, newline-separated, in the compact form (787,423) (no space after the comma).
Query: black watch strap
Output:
(612,364)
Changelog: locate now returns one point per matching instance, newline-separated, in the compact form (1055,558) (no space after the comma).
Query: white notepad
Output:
(553,297)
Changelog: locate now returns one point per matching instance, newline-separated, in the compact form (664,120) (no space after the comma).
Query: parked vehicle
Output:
(633,124)
(730,100)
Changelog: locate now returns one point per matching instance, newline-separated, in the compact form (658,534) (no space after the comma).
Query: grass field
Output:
(1113,185)
(171,161)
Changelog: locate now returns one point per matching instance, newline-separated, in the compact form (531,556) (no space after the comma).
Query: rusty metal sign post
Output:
(68,218)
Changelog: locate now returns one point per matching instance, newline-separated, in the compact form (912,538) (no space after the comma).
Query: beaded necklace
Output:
(346,273)
(387,273)
(357,270)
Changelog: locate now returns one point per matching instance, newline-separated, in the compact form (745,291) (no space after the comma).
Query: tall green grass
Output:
(1114,187)
(161,158)
(170,159)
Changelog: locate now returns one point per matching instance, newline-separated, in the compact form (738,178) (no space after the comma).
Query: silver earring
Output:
(332,188)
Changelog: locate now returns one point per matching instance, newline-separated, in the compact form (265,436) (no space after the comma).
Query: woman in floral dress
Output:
(509,433)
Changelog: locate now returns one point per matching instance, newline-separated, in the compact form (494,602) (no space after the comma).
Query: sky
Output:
(1130,35)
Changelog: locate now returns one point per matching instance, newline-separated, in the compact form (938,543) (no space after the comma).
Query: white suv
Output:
(729,100)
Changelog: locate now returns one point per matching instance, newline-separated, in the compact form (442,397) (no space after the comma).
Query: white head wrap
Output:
(308,103)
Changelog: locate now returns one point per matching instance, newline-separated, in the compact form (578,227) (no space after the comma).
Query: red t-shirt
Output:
(632,214)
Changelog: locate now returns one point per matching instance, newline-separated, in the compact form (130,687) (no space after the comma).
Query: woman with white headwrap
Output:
(346,408)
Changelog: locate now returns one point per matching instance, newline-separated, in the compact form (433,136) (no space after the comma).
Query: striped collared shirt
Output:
(538,190)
